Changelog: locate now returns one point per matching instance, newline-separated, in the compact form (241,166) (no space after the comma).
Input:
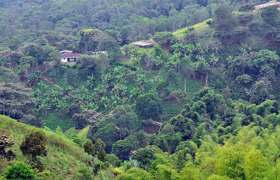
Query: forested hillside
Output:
(139,89)
(59,21)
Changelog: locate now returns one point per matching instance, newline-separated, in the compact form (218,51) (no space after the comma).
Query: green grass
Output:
(88,30)
(64,159)
(83,133)
(199,27)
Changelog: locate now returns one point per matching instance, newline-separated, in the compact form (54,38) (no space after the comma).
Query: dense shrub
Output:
(148,106)
(34,145)
(19,171)
(96,149)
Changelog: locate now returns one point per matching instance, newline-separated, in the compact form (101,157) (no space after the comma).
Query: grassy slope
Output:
(199,27)
(64,158)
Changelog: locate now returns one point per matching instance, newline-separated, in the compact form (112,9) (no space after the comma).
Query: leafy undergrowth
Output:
(55,119)
(65,159)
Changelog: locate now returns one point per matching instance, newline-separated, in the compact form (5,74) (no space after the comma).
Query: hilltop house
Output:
(69,57)
(267,5)
(144,43)
(98,53)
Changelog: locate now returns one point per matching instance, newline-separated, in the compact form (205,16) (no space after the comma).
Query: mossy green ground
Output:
(64,160)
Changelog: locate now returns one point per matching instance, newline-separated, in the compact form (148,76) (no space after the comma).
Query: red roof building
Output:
(69,57)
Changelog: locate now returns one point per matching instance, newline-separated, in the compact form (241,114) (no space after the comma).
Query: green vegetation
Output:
(54,120)
(20,170)
(64,158)
(196,97)
(199,27)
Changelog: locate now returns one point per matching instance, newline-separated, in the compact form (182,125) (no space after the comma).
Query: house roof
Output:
(266,5)
(69,54)
(144,43)
(65,51)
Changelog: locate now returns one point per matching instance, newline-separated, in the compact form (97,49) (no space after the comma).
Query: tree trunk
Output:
(206,80)
(185,85)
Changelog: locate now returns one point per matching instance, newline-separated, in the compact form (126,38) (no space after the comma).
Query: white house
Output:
(69,57)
